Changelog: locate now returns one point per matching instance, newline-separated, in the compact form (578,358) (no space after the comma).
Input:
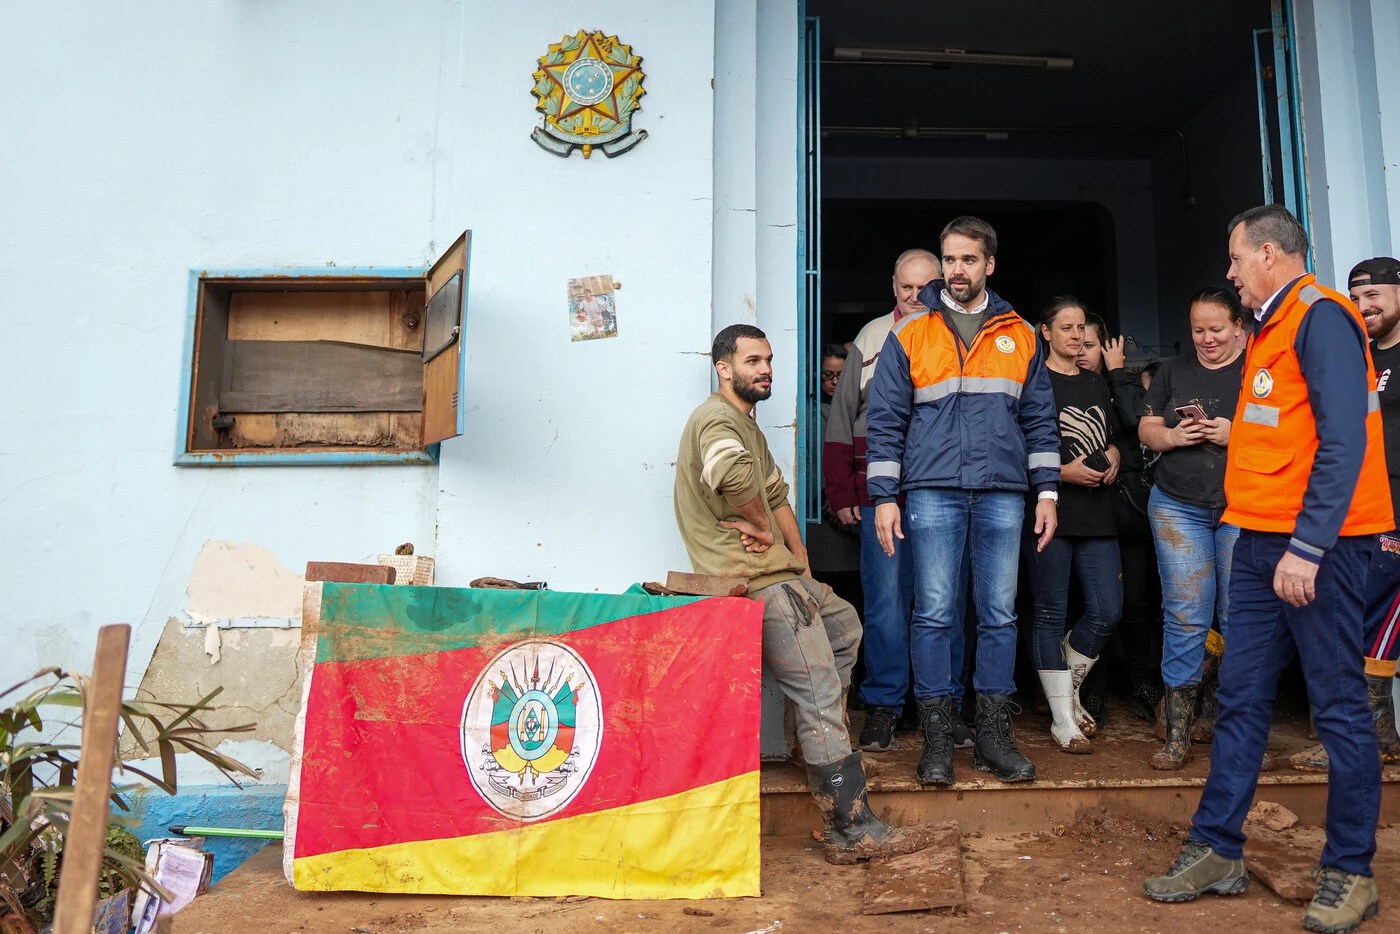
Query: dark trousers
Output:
(1327,633)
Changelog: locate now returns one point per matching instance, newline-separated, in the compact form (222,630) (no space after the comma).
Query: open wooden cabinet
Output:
(316,366)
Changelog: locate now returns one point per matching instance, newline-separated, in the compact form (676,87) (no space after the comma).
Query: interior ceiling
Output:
(1141,69)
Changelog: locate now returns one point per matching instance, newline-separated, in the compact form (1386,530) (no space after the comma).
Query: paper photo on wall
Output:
(592,308)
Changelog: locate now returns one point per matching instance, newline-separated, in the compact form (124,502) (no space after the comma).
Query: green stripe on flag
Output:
(364,621)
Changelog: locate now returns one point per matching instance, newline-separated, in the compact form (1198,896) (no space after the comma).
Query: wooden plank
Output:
(930,878)
(86,838)
(313,376)
(442,374)
(384,318)
(348,573)
(1279,864)
(706,585)
(393,430)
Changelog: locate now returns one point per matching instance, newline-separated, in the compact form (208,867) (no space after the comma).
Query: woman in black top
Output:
(1085,539)
(1140,629)
(1186,416)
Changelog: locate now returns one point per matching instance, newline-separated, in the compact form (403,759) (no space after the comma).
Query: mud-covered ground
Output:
(1084,877)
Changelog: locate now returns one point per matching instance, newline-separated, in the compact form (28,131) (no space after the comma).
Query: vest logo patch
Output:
(1263,384)
(1006,344)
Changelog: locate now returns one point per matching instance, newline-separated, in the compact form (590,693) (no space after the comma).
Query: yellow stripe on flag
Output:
(701,843)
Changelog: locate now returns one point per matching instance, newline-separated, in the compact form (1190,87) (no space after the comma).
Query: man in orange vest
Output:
(1305,480)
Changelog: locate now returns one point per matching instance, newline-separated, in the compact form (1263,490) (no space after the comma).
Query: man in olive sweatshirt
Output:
(733,514)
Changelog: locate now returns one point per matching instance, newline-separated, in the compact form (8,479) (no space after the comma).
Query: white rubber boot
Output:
(1079,666)
(1059,691)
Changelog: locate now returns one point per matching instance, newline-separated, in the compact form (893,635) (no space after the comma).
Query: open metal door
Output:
(1281,114)
(444,323)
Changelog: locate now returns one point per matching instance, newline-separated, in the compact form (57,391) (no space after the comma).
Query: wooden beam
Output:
(86,839)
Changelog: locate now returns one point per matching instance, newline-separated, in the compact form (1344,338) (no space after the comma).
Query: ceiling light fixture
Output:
(912,132)
(854,55)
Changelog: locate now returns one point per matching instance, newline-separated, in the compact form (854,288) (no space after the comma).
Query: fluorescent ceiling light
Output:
(913,132)
(950,57)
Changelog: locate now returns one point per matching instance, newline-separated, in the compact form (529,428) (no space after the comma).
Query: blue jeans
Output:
(888,583)
(1327,634)
(949,528)
(1095,561)
(1193,557)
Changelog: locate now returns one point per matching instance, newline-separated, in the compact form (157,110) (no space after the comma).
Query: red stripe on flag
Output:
(382,759)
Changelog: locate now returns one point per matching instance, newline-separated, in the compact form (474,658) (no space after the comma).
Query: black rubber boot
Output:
(1207,705)
(1180,707)
(994,749)
(853,832)
(936,722)
(1383,716)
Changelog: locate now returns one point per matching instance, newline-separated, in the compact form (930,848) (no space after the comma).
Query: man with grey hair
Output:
(1305,480)
(887,581)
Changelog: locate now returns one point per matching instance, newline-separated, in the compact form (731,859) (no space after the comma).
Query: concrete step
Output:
(1117,775)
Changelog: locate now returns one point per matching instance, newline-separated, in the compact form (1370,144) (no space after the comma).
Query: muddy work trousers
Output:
(810,638)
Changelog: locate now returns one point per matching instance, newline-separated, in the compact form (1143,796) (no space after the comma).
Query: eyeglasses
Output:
(830,375)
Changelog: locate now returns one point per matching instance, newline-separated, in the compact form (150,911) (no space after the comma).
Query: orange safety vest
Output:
(1273,439)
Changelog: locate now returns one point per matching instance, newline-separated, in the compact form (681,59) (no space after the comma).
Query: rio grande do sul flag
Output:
(498,742)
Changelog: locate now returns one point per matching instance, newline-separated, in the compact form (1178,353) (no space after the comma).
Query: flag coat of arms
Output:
(497,742)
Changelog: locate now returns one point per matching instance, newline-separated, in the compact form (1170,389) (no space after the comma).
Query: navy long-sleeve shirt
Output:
(1332,355)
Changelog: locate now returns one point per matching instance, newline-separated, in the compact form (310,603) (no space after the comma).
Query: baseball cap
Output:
(1380,270)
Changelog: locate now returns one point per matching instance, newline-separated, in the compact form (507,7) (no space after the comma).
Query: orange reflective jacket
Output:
(1273,440)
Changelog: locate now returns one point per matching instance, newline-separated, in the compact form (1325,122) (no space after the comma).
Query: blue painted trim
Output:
(1295,107)
(461,352)
(1282,41)
(311,458)
(808,265)
(1265,145)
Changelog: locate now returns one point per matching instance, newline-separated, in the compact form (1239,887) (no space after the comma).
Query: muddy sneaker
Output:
(878,733)
(1198,869)
(1342,902)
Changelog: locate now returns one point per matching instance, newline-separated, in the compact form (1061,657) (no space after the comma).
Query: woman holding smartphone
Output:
(1186,416)
(1085,541)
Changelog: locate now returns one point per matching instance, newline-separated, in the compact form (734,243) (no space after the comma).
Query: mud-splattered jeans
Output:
(810,639)
(1194,550)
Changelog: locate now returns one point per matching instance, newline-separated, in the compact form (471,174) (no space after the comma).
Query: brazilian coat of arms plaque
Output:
(588,86)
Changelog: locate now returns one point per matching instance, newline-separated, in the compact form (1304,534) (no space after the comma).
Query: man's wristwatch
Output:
(1052,495)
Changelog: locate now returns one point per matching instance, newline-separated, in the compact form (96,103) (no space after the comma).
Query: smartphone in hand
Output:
(1097,461)
(1190,411)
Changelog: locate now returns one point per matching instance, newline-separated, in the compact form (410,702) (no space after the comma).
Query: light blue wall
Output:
(1350,86)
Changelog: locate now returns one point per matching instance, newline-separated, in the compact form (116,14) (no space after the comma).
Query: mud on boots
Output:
(995,750)
(1059,693)
(1179,706)
(936,723)
(1079,666)
(852,831)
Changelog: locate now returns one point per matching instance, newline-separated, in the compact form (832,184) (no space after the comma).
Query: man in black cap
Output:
(1375,288)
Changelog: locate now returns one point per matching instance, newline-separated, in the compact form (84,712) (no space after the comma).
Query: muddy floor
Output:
(1084,877)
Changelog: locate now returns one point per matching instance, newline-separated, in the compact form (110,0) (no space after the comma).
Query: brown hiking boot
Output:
(1198,869)
(853,832)
(1180,706)
(1342,902)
